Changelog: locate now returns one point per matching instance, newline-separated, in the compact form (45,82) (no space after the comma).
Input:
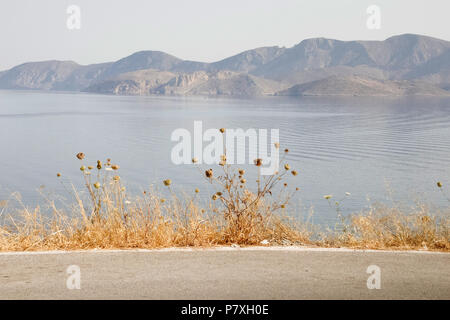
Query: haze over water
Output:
(364,146)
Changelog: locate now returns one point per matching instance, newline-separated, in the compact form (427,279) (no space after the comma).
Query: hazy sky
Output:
(202,30)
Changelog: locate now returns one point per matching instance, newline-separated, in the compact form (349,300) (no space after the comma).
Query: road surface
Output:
(229,273)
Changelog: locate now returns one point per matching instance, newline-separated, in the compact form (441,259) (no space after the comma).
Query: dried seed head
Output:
(90,167)
(115,167)
(258,162)
(82,168)
(222,130)
(286,150)
(163,200)
(197,191)
(117,178)
(222,163)
(287,166)
(194,160)
(283,206)
(80,155)
(97,185)
(214,197)
(439,184)
(277,145)
(241,172)
(99,164)
(209,173)
(294,173)
(328,196)
(243,181)
(219,193)
(167,182)
(58,174)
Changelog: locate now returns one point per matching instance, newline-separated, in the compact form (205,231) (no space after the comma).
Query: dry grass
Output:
(383,227)
(146,222)
(107,218)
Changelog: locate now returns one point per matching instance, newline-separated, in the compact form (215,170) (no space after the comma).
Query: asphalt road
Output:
(251,273)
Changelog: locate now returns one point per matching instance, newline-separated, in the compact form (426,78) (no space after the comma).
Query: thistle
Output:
(80,156)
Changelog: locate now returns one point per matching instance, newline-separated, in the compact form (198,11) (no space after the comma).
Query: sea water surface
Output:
(376,149)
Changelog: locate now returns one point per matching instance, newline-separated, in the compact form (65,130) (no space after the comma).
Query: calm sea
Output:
(376,149)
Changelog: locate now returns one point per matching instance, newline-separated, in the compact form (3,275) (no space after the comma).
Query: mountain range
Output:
(406,64)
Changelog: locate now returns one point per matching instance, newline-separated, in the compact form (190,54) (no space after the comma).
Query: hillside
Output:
(224,83)
(400,65)
(359,86)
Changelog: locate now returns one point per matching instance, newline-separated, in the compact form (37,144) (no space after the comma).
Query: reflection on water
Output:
(365,146)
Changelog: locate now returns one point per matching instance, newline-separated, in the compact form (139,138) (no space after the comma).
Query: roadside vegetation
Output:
(106,217)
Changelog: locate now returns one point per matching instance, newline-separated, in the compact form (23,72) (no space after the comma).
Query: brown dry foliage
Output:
(109,219)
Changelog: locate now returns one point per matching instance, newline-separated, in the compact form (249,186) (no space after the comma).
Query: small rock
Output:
(286,243)
(265,242)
